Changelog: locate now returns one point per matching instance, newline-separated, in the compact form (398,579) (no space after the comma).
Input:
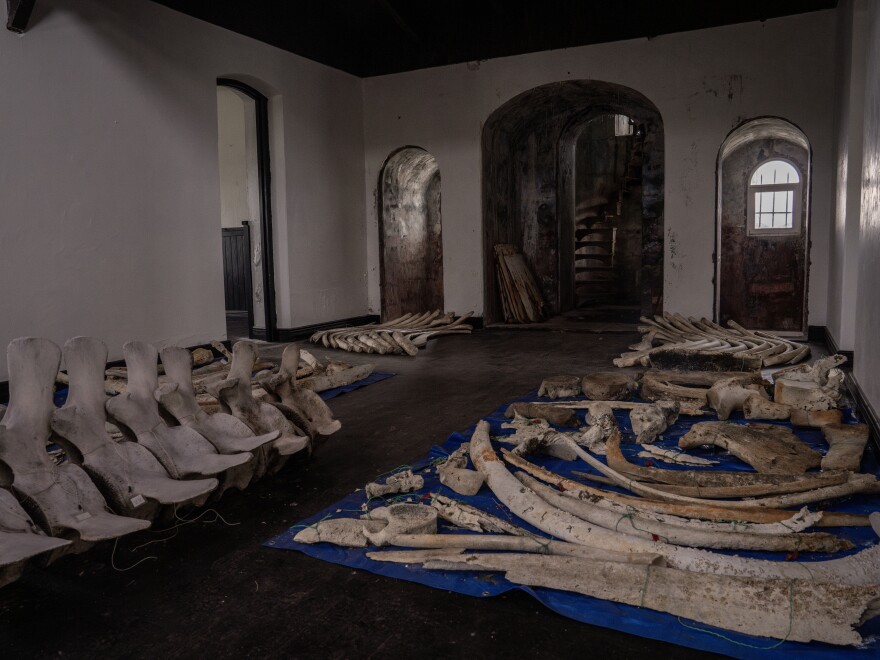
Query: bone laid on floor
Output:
(794,610)
(558,387)
(858,569)
(61,496)
(690,344)
(609,385)
(742,515)
(847,444)
(647,527)
(454,473)
(128,474)
(401,336)
(766,447)
(401,482)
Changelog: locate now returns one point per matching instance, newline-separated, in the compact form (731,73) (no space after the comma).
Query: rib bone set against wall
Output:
(665,542)
(163,450)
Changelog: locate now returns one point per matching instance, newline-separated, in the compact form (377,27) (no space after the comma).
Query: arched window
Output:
(774,198)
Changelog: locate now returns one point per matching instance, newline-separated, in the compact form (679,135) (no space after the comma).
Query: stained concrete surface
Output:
(211,590)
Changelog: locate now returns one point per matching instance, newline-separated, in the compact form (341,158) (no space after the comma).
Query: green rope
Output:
(645,585)
(752,646)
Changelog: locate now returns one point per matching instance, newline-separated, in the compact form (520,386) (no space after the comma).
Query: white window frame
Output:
(797,193)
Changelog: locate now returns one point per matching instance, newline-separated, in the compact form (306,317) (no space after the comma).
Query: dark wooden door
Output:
(236,269)
(762,279)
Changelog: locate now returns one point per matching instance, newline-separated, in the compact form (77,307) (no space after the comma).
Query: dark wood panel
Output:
(236,269)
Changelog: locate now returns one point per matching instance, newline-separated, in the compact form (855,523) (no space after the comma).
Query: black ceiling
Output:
(375,37)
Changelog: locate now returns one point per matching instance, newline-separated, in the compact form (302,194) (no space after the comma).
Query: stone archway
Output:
(411,247)
(529,193)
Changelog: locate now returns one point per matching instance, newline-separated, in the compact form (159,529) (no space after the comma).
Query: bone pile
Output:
(673,341)
(656,546)
(142,454)
(402,336)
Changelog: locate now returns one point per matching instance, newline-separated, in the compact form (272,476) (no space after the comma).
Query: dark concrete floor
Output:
(211,590)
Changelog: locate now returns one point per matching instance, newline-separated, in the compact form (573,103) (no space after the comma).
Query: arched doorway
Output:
(549,189)
(410,238)
(762,231)
(246,210)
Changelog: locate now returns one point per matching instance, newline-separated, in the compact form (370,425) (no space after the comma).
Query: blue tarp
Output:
(626,618)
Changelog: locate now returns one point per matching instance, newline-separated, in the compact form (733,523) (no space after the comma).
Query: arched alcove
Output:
(410,238)
(531,192)
(762,264)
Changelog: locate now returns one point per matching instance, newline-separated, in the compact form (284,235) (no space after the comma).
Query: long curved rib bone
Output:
(858,569)
(749,517)
(718,483)
(61,498)
(127,473)
(502,542)
(646,527)
(710,345)
(862,483)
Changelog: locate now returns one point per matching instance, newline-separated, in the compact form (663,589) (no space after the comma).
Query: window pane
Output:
(775,171)
(779,200)
(622,126)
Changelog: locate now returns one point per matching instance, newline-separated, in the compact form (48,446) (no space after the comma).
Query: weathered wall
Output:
(110,184)
(849,94)
(867,302)
(412,256)
(704,83)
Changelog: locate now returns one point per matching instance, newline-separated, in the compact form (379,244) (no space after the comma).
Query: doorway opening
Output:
(245,211)
(608,218)
(573,177)
(410,234)
(762,230)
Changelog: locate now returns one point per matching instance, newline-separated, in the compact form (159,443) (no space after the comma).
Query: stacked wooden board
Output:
(521,299)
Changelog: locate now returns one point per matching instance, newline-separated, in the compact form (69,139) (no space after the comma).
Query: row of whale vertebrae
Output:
(111,487)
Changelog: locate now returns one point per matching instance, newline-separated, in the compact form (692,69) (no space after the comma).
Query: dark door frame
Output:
(265,182)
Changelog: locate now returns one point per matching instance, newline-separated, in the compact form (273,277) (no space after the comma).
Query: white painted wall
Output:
(851,45)
(239,200)
(704,83)
(867,302)
(109,176)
